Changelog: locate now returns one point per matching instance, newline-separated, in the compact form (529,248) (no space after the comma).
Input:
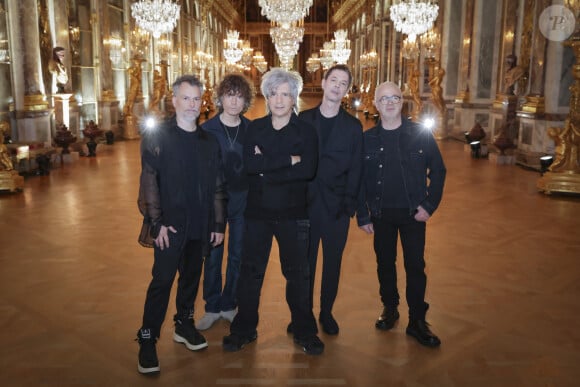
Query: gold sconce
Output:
(75,38)
(116,49)
(164,46)
(430,42)
(139,41)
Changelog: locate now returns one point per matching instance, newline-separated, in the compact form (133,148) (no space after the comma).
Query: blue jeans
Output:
(216,299)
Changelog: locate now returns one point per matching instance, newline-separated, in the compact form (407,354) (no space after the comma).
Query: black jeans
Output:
(333,232)
(394,222)
(292,238)
(185,258)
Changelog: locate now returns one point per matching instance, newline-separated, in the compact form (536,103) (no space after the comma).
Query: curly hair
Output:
(234,84)
(278,76)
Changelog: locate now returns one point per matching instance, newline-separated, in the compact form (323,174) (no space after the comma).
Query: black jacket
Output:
(339,162)
(278,189)
(161,197)
(421,163)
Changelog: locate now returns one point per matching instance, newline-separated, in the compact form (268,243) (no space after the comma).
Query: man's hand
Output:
(368,228)
(216,238)
(422,215)
(162,240)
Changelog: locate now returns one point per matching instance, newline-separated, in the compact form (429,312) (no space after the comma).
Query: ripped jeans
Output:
(292,237)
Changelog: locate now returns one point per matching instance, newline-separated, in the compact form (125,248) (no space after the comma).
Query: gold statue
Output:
(159,91)
(207,101)
(437,91)
(512,75)
(5,159)
(413,83)
(567,142)
(134,86)
(58,69)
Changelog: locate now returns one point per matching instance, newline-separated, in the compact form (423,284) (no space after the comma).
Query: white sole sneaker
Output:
(179,339)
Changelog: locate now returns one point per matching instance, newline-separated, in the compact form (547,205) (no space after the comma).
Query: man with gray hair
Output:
(280,155)
(182,199)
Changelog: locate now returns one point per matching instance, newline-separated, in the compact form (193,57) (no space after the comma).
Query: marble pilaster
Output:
(32,113)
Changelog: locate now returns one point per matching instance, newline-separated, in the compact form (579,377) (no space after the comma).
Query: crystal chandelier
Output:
(156,16)
(284,12)
(286,61)
(287,39)
(414,17)
(313,63)
(341,47)
(259,62)
(326,59)
(232,51)
(247,53)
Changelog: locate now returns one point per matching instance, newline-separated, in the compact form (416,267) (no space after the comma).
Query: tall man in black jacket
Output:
(182,199)
(280,155)
(333,193)
(403,178)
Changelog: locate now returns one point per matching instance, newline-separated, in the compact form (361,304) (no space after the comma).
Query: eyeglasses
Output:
(394,99)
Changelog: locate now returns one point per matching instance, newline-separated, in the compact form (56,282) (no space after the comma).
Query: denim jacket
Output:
(421,163)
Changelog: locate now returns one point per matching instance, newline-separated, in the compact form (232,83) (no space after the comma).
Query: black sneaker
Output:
(148,362)
(329,324)
(311,345)
(419,329)
(233,342)
(186,333)
(387,319)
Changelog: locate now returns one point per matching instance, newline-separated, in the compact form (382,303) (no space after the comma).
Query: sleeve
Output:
(353,181)
(304,170)
(149,200)
(220,196)
(436,173)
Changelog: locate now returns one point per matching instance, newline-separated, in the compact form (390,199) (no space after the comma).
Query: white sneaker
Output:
(207,321)
(229,314)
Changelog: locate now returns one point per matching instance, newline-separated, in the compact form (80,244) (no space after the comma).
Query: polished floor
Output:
(503,283)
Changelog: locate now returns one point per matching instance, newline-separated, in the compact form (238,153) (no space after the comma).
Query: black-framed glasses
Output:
(386,99)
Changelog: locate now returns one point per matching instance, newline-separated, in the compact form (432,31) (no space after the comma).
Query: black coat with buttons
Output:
(421,164)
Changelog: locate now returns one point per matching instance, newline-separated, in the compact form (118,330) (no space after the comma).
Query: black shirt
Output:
(394,187)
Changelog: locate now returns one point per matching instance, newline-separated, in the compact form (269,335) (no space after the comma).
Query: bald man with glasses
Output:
(403,178)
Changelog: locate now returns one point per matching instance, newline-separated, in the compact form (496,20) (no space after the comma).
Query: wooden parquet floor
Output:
(503,283)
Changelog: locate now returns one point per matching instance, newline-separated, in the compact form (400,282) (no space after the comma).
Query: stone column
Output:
(32,112)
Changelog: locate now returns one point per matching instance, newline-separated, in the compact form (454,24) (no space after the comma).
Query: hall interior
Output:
(503,284)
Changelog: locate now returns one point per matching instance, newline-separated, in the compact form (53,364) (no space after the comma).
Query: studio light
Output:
(545,162)
(475,149)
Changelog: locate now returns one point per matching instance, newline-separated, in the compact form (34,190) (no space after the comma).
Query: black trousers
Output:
(292,238)
(333,232)
(184,257)
(394,222)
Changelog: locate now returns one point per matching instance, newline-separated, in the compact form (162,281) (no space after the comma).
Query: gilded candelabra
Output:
(564,173)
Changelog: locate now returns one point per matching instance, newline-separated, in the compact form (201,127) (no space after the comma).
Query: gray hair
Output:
(188,78)
(278,76)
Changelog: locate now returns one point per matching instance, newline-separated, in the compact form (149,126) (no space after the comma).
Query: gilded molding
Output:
(35,102)
(226,11)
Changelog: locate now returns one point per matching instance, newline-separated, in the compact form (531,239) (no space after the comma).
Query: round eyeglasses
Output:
(386,99)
